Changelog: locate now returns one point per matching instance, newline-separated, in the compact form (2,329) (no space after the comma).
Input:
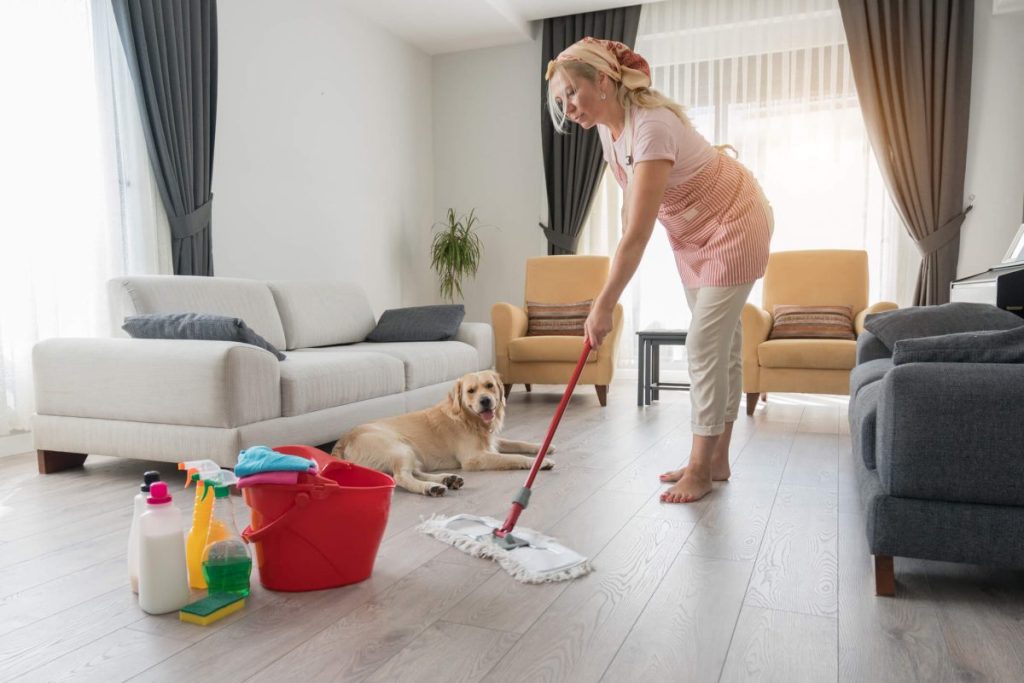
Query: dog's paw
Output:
(453,482)
(435,490)
(548,465)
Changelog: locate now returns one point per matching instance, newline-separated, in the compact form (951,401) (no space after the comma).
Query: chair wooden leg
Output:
(752,402)
(885,576)
(57,461)
(602,394)
(529,387)
(508,390)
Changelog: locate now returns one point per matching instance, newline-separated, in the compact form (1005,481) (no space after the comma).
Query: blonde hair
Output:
(644,98)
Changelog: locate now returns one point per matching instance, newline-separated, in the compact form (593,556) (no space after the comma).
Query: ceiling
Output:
(440,26)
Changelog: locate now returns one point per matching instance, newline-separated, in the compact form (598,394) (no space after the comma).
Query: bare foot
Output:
(688,489)
(720,471)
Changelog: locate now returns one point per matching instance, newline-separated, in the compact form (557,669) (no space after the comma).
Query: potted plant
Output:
(455,253)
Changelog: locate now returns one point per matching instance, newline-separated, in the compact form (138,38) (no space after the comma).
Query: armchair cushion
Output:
(557,319)
(931,321)
(817,354)
(1002,346)
(547,349)
(202,326)
(418,324)
(812,322)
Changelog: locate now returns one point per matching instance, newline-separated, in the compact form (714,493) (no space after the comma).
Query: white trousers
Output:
(714,347)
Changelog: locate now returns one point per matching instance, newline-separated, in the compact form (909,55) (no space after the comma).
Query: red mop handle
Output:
(518,505)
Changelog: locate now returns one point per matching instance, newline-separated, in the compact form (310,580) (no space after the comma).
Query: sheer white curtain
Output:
(772,78)
(79,201)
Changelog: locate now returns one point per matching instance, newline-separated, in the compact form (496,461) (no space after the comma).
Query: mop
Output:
(530,557)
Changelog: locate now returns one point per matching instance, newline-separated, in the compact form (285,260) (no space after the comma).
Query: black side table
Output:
(648,363)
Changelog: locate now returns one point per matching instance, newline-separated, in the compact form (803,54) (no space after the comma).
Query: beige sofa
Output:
(173,400)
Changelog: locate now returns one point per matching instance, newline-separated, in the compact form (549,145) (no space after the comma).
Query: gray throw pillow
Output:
(1004,346)
(203,326)
(932,321)
(418,323)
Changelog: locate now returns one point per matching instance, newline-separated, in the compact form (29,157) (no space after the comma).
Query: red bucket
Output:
(323,531)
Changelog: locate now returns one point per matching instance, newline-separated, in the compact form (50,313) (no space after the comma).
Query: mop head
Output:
(540,560)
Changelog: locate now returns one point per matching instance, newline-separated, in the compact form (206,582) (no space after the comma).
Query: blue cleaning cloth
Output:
(264,459)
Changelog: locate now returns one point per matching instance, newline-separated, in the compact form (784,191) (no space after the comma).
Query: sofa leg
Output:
(57,461)
(508,390)
(885,576)
(602,394)
(752,402)
(529,387)
(764,397)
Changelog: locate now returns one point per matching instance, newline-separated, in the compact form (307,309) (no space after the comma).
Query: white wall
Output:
(995,146)
(340,145)
(323,157)
(487,156)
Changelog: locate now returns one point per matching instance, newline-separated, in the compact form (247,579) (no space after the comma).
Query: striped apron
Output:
(718,222)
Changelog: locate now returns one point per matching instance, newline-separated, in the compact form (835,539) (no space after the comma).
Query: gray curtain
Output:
(911,63)
(573,163)
(171,46)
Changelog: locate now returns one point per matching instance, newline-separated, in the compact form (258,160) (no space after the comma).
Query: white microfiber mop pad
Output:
(543,560)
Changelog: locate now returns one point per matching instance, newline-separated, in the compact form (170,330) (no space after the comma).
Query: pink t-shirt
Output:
(659,134)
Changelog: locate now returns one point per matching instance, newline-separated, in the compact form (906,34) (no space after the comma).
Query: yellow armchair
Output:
(550,359)
(811,366)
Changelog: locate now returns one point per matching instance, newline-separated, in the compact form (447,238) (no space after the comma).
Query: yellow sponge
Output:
(211,608)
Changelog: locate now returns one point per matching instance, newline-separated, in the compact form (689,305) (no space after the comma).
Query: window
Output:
(775,82)
(80,204)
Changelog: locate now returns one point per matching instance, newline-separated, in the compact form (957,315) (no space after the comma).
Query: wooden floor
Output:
(766,579)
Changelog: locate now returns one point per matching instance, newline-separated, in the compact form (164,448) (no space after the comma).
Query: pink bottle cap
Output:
(158,494)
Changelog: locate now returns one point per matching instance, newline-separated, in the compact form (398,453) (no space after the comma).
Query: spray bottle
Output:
(148,478)
(226,561)
(200,471)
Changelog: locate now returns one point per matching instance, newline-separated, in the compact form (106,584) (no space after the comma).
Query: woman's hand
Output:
(598,324)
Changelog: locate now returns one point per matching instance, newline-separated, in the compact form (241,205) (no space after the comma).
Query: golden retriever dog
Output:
(460,431)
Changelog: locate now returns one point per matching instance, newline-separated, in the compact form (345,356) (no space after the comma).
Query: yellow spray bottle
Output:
(199,471)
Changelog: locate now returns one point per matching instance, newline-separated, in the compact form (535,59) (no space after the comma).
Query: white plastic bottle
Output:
(163,576)
(148,478)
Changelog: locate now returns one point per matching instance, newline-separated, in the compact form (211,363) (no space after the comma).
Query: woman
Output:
(717,219)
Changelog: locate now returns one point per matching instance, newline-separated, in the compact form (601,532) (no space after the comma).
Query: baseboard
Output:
(15,444)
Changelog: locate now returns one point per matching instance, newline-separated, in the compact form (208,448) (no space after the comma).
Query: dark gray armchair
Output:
(940,436)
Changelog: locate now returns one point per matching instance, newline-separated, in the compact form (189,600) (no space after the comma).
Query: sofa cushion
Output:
(870,347)
(816,354)
(427,363)
(417,324)
(246,299)
(930,321)
(322,313)
(950,431)
(1002,346)
(863,421)
(322,378)
(204,326)
(547,349)
(812,322)
(866,373)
